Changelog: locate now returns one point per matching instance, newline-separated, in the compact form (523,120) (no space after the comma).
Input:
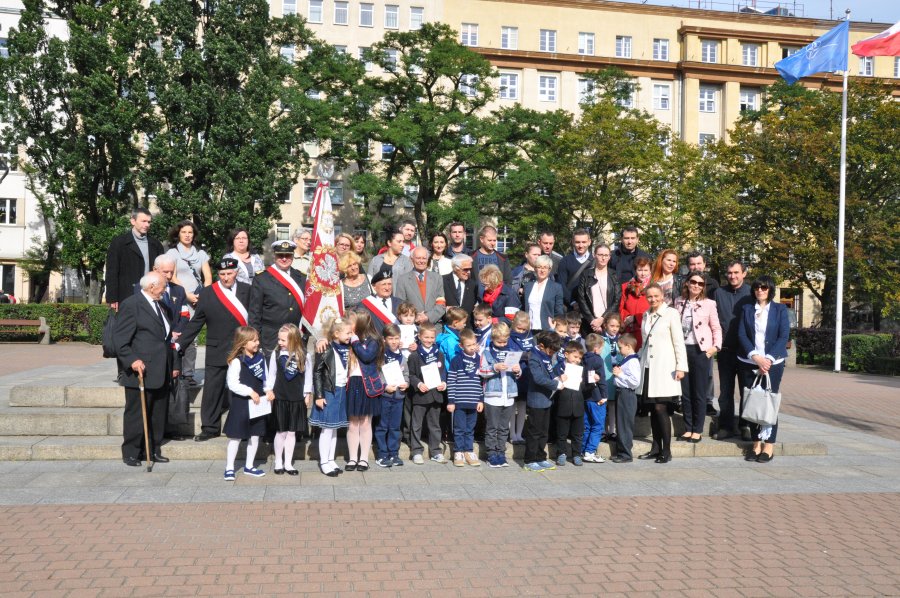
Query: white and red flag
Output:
(323,281)
(886,43)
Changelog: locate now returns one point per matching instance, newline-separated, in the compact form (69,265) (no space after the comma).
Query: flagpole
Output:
(838,317)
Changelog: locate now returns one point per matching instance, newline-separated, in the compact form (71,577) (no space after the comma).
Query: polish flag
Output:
(886,43)
(323,281)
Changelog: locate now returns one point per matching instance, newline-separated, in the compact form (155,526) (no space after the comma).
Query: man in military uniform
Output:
(277,296)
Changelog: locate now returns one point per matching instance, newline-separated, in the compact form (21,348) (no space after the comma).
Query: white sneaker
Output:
(439,458)
(593,458)
(418,460)
(459,460)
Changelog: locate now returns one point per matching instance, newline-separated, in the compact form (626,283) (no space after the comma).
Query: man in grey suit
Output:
(422,288)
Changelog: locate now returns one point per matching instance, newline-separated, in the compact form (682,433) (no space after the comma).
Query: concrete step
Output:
(76,395)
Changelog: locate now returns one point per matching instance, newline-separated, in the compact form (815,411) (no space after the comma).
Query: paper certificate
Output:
(407,334)
(512,358)
(263,408)
(431,375)
(573,376)
(393,374)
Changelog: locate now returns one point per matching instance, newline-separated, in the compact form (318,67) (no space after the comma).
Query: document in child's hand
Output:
(393,374)
(431,375)
(573,376)
(407,334)
(512,358)
(258,410)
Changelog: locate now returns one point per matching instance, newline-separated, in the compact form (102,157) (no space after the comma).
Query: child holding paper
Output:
(406,316)
(543,383)
(499,393)
(426,400)
(246,380)
(396,379)
(570,404)
(286,388)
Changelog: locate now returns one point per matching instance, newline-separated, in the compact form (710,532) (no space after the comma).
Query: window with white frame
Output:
(289,7)
(467,84)
(662,96)
(505,240)
(340,49)
(750,54)
(585,90)
(468,34)
(370,66)
(391,16)
(284,196)
(283,231)
(866,66)
(387,151)
(10,157)
(392,57)
(287,53)
(410,193)
(547,40)
(315,11)
(366,14)
(309,190)
(627,101)
(896,67)
(509,86)
(341,13)
(709,50)
(337,192)
(4,47)
(416,17)
(707,99)
(623,46)
(547,86)
(707,139)
(509,38)
(8,278)
(788,51)
(358,198)
(749,99)
(7,211)
(586,44)
(660,48)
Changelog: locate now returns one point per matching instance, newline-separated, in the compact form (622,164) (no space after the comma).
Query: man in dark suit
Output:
(221,307)
(276,296)
(573,266)
(459,288)
(174,299)
(142,338)
(130,256)
(382,305)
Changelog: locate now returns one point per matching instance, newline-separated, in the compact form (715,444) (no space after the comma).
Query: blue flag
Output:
(828,53)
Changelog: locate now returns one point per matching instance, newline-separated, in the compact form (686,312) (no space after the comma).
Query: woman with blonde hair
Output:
(355,284)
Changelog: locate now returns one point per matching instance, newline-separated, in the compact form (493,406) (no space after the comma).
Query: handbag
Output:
(761,405)
(373,385)
(109,328)
(179,403)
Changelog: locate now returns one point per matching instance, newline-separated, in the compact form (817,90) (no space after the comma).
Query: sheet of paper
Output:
(431,375)
(263,408)
(407,334)
(512,358)
(573,376)
(393,374)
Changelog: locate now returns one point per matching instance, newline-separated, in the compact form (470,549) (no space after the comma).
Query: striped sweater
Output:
(464,387)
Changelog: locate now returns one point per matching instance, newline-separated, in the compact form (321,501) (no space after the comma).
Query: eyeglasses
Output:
(599,255)
(762,287)
(699,283)
(466,269)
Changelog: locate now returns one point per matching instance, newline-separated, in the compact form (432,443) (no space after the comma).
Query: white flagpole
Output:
(838,317)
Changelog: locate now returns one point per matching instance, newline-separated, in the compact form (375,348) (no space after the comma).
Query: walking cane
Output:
(146,432)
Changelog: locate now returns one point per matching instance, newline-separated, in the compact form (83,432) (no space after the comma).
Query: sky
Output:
(879,11)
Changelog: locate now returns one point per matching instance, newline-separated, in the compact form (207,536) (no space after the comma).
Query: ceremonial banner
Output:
(323,282)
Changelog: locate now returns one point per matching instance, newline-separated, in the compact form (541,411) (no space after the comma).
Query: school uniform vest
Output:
(249,373)
(289,381)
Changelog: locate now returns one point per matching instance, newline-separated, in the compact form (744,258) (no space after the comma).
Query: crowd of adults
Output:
(683,319)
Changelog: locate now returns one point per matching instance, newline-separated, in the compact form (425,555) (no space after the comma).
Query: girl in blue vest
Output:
(363,398)
(246,379)
(287,384)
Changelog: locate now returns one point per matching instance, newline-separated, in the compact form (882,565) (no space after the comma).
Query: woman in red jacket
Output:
(633,303)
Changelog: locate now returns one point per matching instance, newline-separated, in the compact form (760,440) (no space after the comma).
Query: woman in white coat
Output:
(664,360)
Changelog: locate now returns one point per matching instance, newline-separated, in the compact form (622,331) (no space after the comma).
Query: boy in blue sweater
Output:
(542,385)
(465,399)
(500,392)
(594,397)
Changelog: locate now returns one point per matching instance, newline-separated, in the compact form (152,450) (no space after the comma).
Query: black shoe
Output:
(621,459)
(363,466)
(648,456)
(350,466)
(710,410)
(279,471)
(293,472)
(157,458)
(683,439)
(175,437)
(764,458)
(131,461)
(664,458)
(751,456)
(204,436)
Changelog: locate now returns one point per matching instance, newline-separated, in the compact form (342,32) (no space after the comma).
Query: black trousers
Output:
(566,425)
(214,402)
(729,371)
(626,409)
(133,421)
(693,389)
(537,426)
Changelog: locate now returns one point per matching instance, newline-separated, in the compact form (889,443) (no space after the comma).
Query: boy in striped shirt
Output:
(465,398)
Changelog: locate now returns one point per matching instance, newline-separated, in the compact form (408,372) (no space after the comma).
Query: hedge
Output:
(875,353)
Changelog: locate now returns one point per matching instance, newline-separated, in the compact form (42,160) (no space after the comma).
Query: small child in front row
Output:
(482,316)
(288,384)
(594,397)
(573,329)
(561,325)
(570,408)
(246,380)
(520,339)
(329,410)
(387,433)
(426,402)
(543,383)
(465,399)
(628,380)
(611,326)
(406,318)
(500,392)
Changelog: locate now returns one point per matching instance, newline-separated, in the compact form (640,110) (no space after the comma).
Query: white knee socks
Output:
(252,444)
(327,448)
(231,453)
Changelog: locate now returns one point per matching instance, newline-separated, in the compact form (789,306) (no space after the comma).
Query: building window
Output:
(660,49)
(897,67)
(309,190)
(337,192)
(509,86)
(866,66)
(467,85)
(315,11)
(504,240)
(283,231)
(623,46)
(662,94)
(707,99)
(387,151)
(585,90)
(4,48)
(363,50)
(548,40)
(391,16)
(366,15)
(468,34)
(392,57)
(547,88)
(509,38)
(749,99)
(387,201)
(358,198)
(10,157)
(341,13)
(340,49)
(788,51)
(287,53)
(750,54)
(8,278)
(289,7)
(706,139)
(416,17)
(627,101)
(410,193)
(709,51)
(7,211)
(586,44)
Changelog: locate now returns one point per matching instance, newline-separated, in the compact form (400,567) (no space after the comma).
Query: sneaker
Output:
(472,459)
(396,461)
(384,462)
(549,465)
(459,460)
(501,459)
(535,467)
(439,458)
(229,475)
(576,461)
(590,458)
(254,471)
(419,460)
(494,461)
(561,460)
(598,458)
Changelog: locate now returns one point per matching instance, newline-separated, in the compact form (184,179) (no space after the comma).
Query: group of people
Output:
(440,343)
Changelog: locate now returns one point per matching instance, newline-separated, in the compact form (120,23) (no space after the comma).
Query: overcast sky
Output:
(880,11)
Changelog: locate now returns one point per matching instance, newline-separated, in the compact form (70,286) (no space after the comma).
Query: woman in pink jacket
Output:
(702,339)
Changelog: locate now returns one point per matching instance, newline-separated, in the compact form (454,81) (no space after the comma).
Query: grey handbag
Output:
(761,405)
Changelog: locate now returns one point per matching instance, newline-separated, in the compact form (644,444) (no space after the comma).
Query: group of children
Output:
(436,386)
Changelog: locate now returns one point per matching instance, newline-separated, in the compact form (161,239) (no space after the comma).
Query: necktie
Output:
(421,276)
(162,320)
(459,292)
(384,300)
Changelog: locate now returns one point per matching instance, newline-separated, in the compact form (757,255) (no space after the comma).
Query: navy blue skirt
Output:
(239,425)
(334,414)
(358,404)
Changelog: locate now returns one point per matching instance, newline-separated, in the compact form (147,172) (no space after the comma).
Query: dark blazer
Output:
(508,298)
(139,334)
(585,297)
(174,302)
(565,275)
(622,262)
(415,378)
(379,325)
(551,302)
(778,331)
(272,306)
(125,264)
(468,299)
(220,324)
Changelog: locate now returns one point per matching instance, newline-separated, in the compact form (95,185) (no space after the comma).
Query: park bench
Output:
(27,327)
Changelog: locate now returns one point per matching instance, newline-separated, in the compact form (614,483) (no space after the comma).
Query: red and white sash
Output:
(288,283)
(375,306)
(231,303)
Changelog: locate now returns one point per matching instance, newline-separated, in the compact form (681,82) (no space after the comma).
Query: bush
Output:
(858,350)
(875,353)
